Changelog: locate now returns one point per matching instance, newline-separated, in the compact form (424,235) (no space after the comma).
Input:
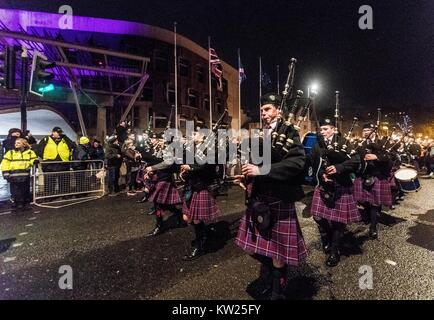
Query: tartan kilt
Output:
(149,183)
(202,207)
(380,194)
(345,210)
(392,182)
(165,192)
(286,242)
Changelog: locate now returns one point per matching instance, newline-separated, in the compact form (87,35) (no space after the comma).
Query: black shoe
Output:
(373,233)
(157,231)
(152,212)
(333,259)
(144,199)
(194,254)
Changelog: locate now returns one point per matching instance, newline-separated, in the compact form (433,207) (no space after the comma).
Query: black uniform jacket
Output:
(378,168)
(344,162)
(285,177)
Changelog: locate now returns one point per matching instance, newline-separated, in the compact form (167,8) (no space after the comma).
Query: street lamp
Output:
(312,91)
(312,88)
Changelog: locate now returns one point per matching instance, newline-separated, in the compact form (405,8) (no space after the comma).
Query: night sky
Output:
(390,66)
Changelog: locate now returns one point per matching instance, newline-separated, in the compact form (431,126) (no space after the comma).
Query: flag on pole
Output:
(242,73)
(216,67)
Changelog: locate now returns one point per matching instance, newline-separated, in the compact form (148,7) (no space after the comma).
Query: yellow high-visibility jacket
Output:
(17,164)
(52,149)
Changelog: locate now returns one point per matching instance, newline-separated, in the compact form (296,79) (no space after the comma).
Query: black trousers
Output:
(20,192)
(131,179)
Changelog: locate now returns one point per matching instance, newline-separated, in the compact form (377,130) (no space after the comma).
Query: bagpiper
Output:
(165,195)
(333,204)
(273,194)
(200,205)
(371,187)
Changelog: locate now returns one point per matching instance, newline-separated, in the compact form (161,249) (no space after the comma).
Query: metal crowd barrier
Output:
(58,189)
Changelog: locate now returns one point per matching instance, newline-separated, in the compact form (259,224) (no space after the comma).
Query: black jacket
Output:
(81,153)
(201,176)
(344,162)
(113,155)
(285,177)
(378,168)
(96,153)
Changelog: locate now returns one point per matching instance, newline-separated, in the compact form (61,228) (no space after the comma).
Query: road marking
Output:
(23,233)
(33,218)
(5,213)
(18,244)
(29,225)
(9,259)
(393,263)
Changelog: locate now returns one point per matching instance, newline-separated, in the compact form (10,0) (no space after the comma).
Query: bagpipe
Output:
(288,124)
(335,152)
(204,151)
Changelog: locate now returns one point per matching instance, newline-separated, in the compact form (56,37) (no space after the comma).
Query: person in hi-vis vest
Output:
(16,167)
(55,151)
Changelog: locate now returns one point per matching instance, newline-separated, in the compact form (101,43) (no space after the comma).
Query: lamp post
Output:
(312,91)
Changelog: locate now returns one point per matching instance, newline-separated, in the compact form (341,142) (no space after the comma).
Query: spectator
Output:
(81,153)
(56,148)
(122,132)
(9,142)
(113,157)
(96,152)
(16,167)
(79,156)
(30,138)
(132,161)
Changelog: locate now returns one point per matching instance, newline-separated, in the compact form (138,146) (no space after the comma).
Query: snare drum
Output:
(407,179)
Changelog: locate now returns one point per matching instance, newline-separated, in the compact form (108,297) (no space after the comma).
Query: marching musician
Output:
(282,244)
(165,195)
(414,150)
(392,146)
(149,157)
(333,204)
(199,204)
(371,187)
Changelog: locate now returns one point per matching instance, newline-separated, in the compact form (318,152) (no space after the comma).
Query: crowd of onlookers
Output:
(56,152)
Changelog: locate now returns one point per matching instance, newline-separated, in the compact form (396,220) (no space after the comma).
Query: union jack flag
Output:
(216,67)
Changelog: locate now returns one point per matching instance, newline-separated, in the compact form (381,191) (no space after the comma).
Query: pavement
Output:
(104,244)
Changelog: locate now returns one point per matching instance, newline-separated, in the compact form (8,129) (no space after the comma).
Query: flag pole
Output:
(278,79)
(239,91)
(209,82)
(176,77)
(260,90)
